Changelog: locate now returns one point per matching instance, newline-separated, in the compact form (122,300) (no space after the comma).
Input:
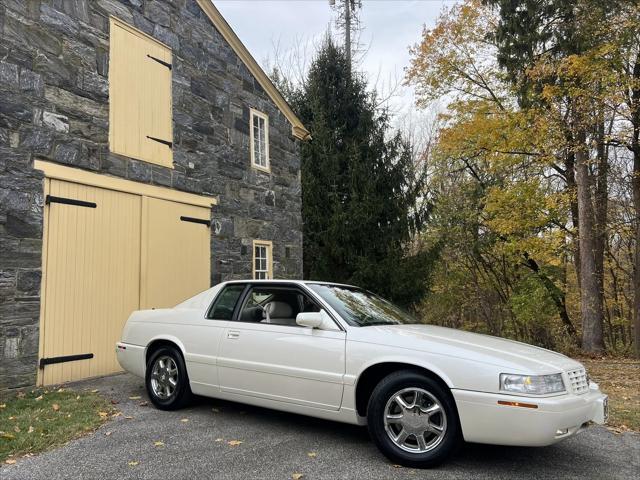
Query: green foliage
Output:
(360,186)
(520,80)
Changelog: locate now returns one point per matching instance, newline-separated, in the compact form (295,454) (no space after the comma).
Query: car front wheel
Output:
(166,379)
(413,419)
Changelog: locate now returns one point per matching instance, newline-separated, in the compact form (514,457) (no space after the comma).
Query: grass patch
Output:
(41,419)
(620,379)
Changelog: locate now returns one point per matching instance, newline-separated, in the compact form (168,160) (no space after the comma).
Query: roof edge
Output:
(298,130)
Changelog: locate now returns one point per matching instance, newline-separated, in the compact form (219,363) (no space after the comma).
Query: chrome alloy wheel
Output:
(164,377)
(415,420)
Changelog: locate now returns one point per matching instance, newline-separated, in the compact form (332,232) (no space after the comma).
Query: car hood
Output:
(472,346)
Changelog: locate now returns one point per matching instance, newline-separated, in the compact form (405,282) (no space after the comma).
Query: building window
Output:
(140,116)
(262,260)
(259,140)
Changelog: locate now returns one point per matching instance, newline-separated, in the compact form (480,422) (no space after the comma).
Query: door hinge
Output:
(196,220)
(63,359)
(69,201)
(159,140)
(161,62)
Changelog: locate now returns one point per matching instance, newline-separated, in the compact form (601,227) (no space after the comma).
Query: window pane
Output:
(259,146)
(225,302)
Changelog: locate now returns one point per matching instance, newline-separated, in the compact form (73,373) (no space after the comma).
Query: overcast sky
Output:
(390,27)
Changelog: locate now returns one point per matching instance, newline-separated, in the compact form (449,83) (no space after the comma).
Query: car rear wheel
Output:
(413,420)
(166,379)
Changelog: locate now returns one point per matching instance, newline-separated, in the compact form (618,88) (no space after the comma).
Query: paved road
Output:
(276,445)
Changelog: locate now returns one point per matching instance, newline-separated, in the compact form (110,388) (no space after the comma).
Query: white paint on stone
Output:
(59,123)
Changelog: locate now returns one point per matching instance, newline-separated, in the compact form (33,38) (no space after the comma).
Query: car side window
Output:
(225,303)
(277,306)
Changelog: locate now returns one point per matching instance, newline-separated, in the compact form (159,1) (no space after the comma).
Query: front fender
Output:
(408,360)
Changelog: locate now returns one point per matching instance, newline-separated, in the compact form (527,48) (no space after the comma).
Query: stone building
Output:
(144,156)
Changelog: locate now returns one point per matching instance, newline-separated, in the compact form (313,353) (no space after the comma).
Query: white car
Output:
(342,353)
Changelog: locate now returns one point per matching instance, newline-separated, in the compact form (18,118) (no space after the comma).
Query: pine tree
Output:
(361,191)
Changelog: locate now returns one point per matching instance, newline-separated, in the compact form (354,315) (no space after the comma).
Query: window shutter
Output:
(140,119)
(157,125)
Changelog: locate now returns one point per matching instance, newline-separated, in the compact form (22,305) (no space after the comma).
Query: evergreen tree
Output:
(360,187)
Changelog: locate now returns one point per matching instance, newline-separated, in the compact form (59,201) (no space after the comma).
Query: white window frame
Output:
(268,271)
(252,141)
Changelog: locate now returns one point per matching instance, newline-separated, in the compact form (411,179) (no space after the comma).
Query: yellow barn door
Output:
(92,279)
(176,258)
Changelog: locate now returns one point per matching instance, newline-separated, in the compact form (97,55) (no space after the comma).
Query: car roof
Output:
(276,281)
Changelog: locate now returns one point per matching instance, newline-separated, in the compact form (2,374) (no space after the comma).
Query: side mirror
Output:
(309,319)
(320,320)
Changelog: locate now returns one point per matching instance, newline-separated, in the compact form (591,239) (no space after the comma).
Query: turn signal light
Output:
(517,404)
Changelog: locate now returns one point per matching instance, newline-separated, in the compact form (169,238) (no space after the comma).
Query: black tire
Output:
(381,399)
(181,394)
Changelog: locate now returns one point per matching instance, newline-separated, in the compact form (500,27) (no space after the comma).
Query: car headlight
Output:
(532,384)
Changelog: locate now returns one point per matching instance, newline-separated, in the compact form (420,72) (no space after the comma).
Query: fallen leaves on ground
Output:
(10,461)
(135,397)
(41,419)
(143,404)
(107,433)
(103,414)
(184,420)
(620,379)
(312,454)
(297,476)
(234,443)
(133,463)
(219,439)
(158,443)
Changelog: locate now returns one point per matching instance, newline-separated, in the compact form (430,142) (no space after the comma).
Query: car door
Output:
(274,358)
(202,339)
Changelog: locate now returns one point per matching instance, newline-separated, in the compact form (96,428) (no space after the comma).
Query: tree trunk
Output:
(635,182)
(601,200)
(590,293)
(570,163)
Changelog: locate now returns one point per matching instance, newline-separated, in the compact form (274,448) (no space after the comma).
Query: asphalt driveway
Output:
(202,442)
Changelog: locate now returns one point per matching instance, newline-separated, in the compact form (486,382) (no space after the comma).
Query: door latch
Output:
(233,334)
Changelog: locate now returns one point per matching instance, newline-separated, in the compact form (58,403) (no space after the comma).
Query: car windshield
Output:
(360,308)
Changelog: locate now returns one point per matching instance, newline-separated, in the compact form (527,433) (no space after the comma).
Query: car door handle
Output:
(233,334)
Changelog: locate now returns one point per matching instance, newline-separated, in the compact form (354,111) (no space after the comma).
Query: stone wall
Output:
(54,65)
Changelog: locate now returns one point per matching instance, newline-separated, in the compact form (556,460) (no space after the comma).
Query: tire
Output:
(435,411)
(166,364)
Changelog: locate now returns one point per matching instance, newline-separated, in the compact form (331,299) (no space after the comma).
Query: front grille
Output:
(578,381)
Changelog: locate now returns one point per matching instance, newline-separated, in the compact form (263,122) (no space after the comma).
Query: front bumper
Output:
(484,420)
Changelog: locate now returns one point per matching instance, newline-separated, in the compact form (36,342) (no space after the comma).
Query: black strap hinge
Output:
(63,359)
(159,140)
(69,201)
(196,220)
(161,62)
